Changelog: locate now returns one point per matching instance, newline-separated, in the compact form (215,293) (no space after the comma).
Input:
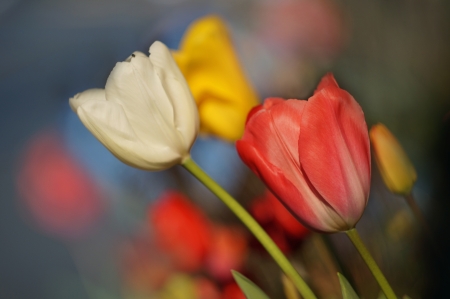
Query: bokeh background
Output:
(392,56)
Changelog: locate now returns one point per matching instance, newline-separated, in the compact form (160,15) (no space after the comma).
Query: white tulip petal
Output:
(150,85)
(175,85)
(146,115)
(107,115)
(109,124)
(126,86)
(94,94)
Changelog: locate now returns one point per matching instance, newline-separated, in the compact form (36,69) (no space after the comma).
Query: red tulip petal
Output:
(334,150)
(311,211)
(272,135)
(253,111)
(326,82)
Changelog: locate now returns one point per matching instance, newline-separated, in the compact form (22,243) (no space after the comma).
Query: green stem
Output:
(253,226)
(356,240)
(421,218)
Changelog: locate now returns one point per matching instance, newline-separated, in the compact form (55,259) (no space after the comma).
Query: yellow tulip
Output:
(395,167)
(210,65)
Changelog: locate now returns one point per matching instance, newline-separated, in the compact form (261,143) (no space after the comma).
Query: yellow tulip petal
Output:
(224,96)
(395,167)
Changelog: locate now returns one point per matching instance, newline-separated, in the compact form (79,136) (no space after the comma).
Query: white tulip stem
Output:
(253,226)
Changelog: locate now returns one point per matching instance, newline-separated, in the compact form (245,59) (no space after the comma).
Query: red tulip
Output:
(313,155)
(181,230)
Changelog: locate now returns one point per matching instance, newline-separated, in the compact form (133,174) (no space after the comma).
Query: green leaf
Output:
(346,288)
(251,290)
(406,297)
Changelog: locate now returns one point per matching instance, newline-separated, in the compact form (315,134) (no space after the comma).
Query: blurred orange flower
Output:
(56,192)
(395,167)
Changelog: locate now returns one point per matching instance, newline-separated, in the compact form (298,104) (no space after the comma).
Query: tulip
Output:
(223,94)
(395,167)
(313,155)
(146,115)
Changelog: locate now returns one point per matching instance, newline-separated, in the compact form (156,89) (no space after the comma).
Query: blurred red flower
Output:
(232,291)
(227,251)
(56,192)
(143,268)
(206,289)
(279,223)
(181,230)
(316,28)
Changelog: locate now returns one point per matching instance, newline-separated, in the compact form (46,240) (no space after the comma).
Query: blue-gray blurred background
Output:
(392,56)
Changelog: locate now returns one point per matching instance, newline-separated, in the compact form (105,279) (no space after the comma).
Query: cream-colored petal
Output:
(109,124)
(135,86)
(94,94)
(185,109)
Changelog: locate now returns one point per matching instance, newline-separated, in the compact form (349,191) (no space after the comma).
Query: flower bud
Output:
(146,115)
(395,167)
(313,155)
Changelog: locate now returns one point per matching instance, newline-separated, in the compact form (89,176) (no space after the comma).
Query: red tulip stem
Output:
(418,214)
(253,226)
(421,218)
(367,257)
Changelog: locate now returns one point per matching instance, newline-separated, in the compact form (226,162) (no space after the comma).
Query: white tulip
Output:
(146,115)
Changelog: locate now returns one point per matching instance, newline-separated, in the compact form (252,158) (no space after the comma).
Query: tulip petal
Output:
(312,212)
(326,82)
(334,150)
(176,88)
(277,119)
(94,94)
(220,119)
(147,106)
(109,124)
(212,69)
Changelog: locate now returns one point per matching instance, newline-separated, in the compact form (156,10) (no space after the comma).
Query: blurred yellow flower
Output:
(210,65)
(395,167)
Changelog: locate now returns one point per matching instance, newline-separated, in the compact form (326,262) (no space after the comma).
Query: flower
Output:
(146,115)
(313,155)
(395,167)
(56,192)
(181,230)
(281,225)
(228,249)
(223,94)
(233,291)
